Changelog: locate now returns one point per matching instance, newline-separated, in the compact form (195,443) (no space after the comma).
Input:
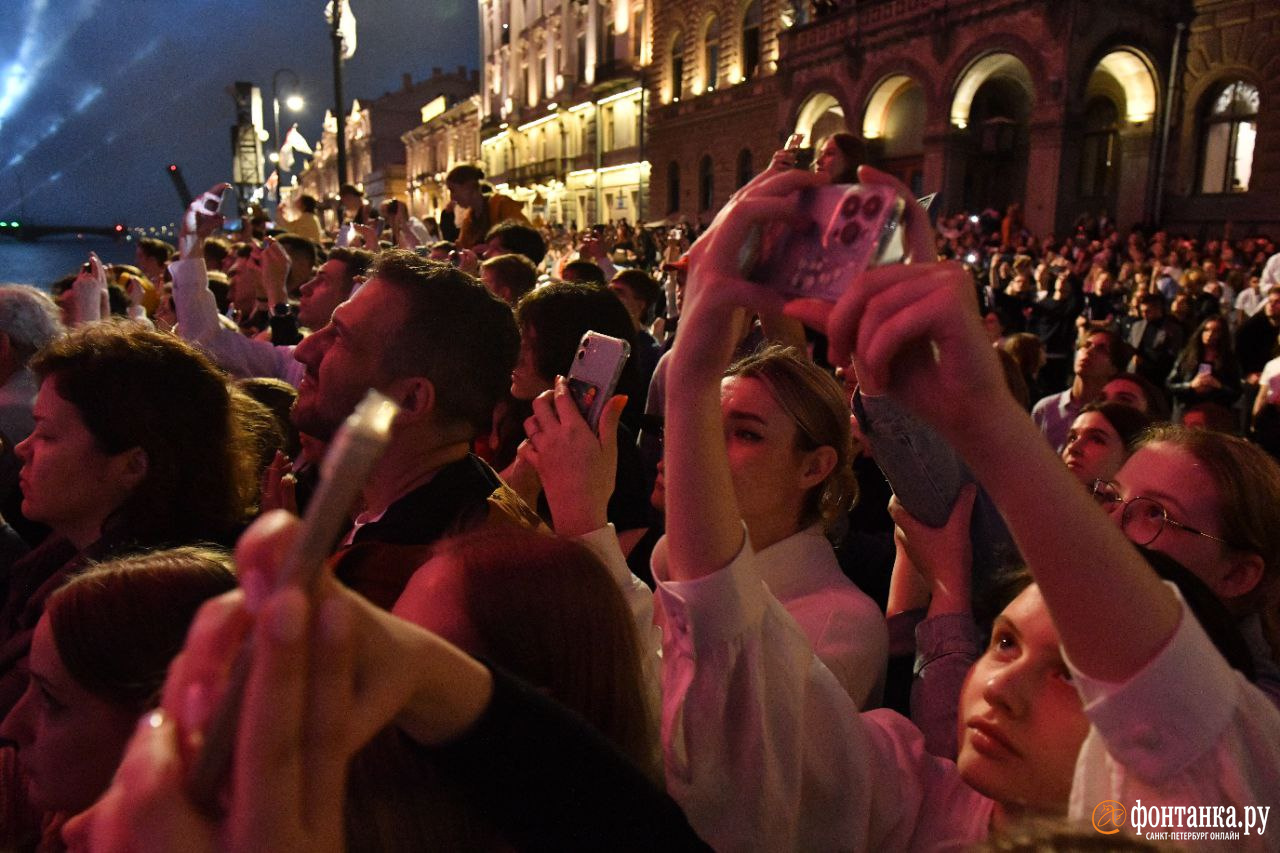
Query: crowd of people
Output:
(991,540)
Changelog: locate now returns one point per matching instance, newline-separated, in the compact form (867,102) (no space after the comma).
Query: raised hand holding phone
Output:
(576,464)
(201,218)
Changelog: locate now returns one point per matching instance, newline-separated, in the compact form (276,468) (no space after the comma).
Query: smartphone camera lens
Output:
(872,207)
(852,204)
(849,233)
(582,354)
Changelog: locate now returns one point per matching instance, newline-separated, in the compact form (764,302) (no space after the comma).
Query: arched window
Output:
(1230,130)
(745,170)
(677,66)
(706,183)
(752,40)
(1100,151)
(711,56)
(673,186)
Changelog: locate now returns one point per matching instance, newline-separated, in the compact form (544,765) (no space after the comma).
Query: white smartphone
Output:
(593,377)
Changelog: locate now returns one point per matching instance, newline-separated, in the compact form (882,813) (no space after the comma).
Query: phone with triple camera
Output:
(840,231)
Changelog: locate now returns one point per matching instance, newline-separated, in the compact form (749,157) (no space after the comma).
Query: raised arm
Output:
(704,527)
(916,333)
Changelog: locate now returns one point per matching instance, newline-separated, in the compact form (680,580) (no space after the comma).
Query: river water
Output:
(45,261)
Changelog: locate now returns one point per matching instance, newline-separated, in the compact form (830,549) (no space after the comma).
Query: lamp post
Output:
(295,103)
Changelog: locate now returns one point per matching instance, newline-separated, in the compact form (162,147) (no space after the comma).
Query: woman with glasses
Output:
(1211,502)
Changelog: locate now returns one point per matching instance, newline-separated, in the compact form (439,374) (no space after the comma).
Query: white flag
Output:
(293,139)
(346,27)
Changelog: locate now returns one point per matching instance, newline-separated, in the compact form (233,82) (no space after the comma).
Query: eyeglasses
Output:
(1141,519)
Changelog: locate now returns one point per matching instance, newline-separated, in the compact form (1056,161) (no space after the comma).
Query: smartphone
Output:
(345,234)
(593,376)
(842,229)
(229,204)
(804,155)
(1204,369)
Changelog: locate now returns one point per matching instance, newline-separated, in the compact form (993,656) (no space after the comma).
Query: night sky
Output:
(98,96)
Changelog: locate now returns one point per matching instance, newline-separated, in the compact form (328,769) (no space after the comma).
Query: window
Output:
(677,66)
(582,56)
(1230,131)
(711,56)
(637,37)
(606,122)
(751,40)
(706,183)
(1100,150)
(673,186)
(745,170)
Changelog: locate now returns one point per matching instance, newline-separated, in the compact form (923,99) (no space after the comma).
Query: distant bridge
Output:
(30,233)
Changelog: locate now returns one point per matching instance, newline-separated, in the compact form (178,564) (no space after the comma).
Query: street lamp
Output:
(293,102)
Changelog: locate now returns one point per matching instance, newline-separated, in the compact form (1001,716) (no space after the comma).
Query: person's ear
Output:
(1242,577)
(416,396)
(818,465)
(130,468)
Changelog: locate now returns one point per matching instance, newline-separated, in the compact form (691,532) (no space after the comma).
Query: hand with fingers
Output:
(275,271)
(370,234)
(279,485)
(86,301)
(912,330)
(200,220)
(577,467)
(942,556)
(327,674)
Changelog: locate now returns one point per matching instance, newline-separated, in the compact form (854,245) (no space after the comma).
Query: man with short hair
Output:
(640,295)
(304,257)
(1156,339)
(509,276)
(29,320)
(442,347)
(151,256)
(1258,338)
(481,210)
(241,356)
(514,237)
(1100,356)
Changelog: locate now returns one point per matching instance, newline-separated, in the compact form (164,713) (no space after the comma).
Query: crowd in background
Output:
(731,584)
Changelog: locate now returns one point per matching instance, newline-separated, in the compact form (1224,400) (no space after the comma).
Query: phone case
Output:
(845,228)
(594,374)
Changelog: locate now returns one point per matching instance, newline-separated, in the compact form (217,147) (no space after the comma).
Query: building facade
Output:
(563,109)
(1063,106)
(374,131)
(449,135)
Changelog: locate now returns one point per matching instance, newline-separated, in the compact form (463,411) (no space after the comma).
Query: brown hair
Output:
(133,387)
(454,332)
(816,402)
(1248,485)
(513,272)
(547,610)
(118,625)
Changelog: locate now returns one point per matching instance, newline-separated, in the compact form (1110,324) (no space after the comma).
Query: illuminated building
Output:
(562,108)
